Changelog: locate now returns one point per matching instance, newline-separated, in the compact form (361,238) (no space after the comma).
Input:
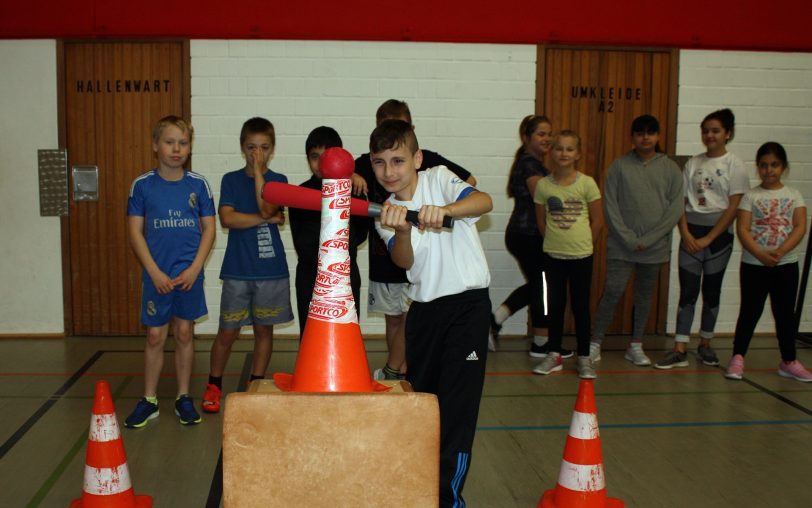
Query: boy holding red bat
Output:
(388,285)
(449,320)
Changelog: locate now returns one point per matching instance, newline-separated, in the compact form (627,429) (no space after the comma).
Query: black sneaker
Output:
(185,410)
(672,359)
(707,355)
(537,351)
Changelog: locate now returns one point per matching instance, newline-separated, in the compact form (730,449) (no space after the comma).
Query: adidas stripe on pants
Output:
(446,349)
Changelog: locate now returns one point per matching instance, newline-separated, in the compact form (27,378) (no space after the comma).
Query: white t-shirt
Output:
(709,183)
(771,220)
(446,261)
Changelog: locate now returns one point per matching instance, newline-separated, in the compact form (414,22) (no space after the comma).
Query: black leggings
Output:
(527,249)
(781,284)
(577,274)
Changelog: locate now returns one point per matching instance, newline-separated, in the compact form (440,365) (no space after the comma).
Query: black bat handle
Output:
(411,216)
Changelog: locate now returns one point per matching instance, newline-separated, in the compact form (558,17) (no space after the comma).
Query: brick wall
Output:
(771,96)
(466,102)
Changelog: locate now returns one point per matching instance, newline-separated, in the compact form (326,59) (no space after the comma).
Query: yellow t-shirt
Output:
(568,234)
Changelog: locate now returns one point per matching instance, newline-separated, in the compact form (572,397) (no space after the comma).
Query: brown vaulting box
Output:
(331,449)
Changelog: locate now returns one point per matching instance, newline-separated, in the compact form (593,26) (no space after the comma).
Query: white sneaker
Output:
(553,363)
(585,368)
(636,355)
(595,351)
(377,374)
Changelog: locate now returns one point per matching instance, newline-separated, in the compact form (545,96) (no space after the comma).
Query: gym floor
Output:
(685,437)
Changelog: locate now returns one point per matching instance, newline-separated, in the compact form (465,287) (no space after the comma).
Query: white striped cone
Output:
(107,481)
(581,482)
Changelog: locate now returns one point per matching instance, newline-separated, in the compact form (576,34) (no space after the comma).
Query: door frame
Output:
(670,148)
(64,221)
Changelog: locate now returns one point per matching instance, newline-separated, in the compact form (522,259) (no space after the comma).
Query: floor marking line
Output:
(216,488)
(778,396)
(34,418)
(656,372)
(651,425)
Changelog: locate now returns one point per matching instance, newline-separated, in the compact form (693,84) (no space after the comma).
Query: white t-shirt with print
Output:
(709,183)
(771,220)
(446,261)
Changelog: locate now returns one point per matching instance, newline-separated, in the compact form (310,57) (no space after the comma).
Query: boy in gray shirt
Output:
(643,201)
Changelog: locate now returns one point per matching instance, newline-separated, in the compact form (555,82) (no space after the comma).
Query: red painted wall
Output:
(724,24)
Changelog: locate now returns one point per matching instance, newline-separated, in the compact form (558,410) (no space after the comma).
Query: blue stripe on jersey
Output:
(202,179)
(465,192)
(138,179)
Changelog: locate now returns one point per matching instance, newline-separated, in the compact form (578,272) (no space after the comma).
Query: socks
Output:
(390,371)
(216,381)
(540,340)
(501,314)
(152,400)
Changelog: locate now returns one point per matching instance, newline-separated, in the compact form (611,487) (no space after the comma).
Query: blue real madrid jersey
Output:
(172,212)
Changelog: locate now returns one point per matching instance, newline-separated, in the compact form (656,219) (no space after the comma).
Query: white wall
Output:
(30,249)
(771,96)
(466,102)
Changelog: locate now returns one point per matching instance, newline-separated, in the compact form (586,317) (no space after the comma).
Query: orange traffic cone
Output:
(107,479)
(581,483)
(331,356)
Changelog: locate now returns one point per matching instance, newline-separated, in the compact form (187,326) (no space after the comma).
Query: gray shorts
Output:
(261,302)
(388,298)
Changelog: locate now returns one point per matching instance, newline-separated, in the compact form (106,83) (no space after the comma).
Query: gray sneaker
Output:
(585,368)
(595,351)
(552,363)
(707,355)
(636,355)
(672,359)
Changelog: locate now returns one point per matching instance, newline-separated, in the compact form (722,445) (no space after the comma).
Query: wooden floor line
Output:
(637,371)
(34,418)
(603,426)
(641,394)
(216,487)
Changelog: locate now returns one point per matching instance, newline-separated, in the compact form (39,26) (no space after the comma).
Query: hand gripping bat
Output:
(293,196)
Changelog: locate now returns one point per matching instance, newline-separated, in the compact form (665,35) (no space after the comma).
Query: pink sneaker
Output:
(794,370)
(735,369)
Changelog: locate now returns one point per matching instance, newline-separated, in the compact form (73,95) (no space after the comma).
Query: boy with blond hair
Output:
(170,218)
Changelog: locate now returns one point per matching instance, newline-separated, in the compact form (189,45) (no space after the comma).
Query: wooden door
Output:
(112,94)
(597,93)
